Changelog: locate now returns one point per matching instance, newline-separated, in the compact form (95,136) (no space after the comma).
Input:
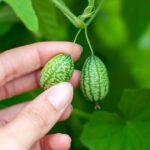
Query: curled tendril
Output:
(85,16)
(88,11)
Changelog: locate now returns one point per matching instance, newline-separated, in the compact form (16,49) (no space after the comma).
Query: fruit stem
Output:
(97,106)
(81,113)
(88,41)
(77,34)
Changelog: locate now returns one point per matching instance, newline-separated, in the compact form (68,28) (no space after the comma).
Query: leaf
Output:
(25,11)
(7,19)
(49,22)
(126,129)
(7,15)
(134,103)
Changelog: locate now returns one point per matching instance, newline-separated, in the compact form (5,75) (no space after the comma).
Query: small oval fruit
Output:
(94,79)
(58,69)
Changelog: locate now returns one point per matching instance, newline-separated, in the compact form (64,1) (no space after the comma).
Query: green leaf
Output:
(49,22)
(7,15)
(135,103)
(25,11)
(7,19)
(126,129)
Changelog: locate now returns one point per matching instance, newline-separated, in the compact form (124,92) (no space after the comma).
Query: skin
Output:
(25,126)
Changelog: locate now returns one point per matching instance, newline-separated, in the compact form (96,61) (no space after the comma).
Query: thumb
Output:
(37,118)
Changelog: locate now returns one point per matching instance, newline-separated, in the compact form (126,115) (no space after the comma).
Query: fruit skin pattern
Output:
(58,69)
(94,79)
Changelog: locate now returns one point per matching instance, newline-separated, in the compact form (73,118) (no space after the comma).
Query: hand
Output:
(24,126)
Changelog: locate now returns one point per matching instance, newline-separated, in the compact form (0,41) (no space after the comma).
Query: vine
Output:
(67,12)
(89,13)
(82,22)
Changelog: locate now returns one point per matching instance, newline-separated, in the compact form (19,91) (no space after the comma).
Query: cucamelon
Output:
(94,79)
(58,69)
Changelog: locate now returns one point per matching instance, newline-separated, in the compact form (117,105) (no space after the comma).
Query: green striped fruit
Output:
(94,79)
(58,69)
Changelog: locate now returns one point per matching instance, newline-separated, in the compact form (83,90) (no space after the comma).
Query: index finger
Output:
(26,59)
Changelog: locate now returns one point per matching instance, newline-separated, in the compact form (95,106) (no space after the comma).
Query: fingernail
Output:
(60,95)
(66,137)
(77,46)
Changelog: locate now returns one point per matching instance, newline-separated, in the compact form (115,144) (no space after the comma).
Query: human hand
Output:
(24,126)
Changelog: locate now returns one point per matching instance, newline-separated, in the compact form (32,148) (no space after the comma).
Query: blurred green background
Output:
(120,36)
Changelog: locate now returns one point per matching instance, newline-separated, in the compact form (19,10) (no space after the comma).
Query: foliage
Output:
(25,11)
(120,36)
(125,129)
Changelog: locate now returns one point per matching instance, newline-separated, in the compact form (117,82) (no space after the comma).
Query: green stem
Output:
(88,11)
(95,13)
(88,23)
(88,41)
(78,32)
(81,113)
(75,20)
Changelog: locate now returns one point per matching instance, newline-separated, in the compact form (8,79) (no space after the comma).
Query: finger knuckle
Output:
(3,122)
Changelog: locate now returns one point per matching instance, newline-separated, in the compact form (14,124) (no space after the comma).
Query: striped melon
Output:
(58,69)
(94,79)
